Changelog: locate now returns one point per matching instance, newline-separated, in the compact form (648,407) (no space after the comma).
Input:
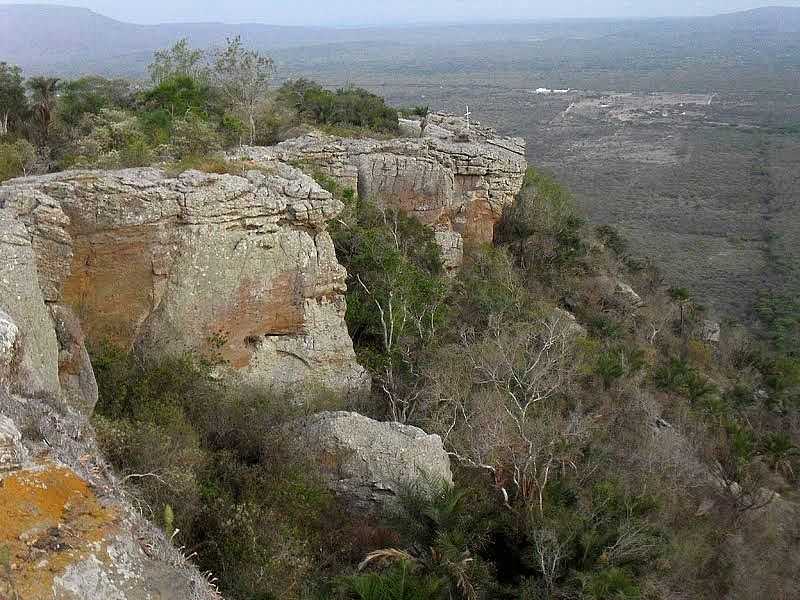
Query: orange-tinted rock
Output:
(237,267)
(456,182)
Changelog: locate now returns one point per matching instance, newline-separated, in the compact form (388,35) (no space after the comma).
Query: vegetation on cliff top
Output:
(196,105)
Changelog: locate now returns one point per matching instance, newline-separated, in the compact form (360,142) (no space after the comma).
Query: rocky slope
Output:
(239,267)
(67,531)
(455,178)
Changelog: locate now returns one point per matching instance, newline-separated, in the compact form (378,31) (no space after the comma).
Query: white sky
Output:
(359,12)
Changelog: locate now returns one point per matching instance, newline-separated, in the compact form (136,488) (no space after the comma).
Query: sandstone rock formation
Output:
(66,530)
(366,462)
(454,180)
(236,267)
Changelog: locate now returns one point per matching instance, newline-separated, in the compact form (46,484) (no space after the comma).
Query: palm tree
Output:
(43,93)
(443,540)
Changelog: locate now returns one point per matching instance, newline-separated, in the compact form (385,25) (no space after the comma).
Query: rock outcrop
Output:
(66,530)
(366,462)
(458,181)
(239,268)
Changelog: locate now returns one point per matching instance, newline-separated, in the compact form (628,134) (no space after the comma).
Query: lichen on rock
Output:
(236,268)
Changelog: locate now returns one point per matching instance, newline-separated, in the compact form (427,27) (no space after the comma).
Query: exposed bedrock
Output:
(454,180)
(236,267)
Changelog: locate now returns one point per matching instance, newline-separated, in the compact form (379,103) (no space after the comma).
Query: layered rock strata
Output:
(456,180)
(233,268)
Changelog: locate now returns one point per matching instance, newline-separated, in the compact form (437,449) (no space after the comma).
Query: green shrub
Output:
(207,462)
(610,584)
(192,136)
(542,228)
(16,159)
(396,293)
(347,106)
(399,582)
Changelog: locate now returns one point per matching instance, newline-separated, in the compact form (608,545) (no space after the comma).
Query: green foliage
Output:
(13,102)
(16,159)
(396,291)
(781,314)
(488,286)
(43,92)
(89,95)
(612,239)
(610,366)
(610,584)
(208,463)
(194,136)
(181,95)
(780,453)
(347,106)
(399,582)
(542,228)
(181,60)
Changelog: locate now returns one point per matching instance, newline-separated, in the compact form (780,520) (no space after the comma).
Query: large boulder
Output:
(366,462)
(240,269)
(458,184)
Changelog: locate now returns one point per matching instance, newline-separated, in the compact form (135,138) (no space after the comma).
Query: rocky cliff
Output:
(67,531)
(453,177)
(239,268)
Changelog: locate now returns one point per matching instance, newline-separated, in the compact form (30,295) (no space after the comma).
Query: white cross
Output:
(467,115)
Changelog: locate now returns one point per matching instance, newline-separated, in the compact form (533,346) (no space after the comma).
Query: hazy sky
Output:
(355,12)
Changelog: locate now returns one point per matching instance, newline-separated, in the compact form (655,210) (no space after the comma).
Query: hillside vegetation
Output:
(196,106)
(606,444)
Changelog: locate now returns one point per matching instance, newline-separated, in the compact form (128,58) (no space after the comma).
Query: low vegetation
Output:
(197,105)
(603,446)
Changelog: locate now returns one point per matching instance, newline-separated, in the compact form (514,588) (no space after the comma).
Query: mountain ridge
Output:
(69,41)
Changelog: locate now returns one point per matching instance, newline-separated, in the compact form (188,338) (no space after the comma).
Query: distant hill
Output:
(771,19)
(70,41)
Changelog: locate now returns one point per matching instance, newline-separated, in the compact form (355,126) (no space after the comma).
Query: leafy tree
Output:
(89,95)
(13,102)
(180,94)
(180,60)
(351,106)
(193,136)
(243,76)
(16,159)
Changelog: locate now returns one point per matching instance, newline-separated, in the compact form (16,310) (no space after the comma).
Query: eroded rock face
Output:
(366,462)
(240,268)
(454,180)
(65,525)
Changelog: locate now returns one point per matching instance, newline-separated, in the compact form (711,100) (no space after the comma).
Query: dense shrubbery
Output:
(199,103)
(619,455)
(210,466)
(349,107)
